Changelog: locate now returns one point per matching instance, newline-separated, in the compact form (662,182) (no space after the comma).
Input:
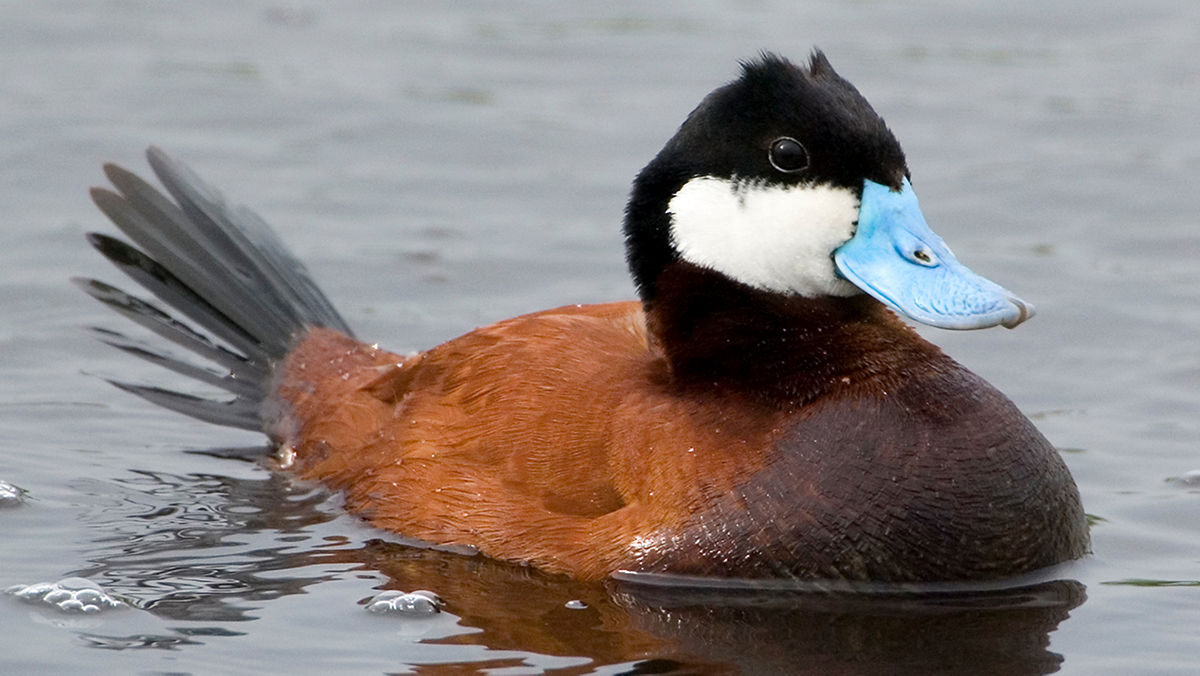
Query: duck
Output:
(761,411)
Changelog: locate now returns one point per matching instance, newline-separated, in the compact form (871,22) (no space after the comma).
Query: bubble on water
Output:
(419,603)
(576,604)
(10,495)
(70,595)
(1189,479)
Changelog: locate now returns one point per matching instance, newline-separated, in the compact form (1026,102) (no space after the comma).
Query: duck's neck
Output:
(786,350)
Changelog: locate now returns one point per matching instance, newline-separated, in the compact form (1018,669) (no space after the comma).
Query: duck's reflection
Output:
(212,548)
(758,631)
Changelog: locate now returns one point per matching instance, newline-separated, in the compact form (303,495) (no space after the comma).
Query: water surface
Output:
(441,166)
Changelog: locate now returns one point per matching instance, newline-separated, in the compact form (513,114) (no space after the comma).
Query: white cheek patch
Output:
(777,238)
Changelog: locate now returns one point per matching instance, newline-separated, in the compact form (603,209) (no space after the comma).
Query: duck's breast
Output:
(938,477)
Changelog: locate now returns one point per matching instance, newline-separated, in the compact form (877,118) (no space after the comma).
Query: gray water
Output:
(444,165)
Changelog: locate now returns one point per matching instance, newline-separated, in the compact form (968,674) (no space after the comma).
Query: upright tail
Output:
(220,266)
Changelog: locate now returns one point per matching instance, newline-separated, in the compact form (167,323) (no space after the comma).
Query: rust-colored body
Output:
(576,440)
(563,461)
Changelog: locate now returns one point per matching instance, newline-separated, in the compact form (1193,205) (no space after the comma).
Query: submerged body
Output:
(744,419)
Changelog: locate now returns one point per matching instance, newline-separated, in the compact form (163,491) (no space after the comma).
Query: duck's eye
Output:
(787,155)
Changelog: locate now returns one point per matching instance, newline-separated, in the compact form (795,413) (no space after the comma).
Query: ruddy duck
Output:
(760,412)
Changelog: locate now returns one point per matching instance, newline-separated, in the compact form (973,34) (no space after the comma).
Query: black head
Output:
(779,124)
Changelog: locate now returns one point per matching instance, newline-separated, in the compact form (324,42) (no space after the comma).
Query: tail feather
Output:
(239,412)
(220,266)
(141,350)
(171,290)
(269,261)
(164,325)
(165,233)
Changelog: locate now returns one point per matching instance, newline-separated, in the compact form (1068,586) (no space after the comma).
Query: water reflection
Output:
(212,548)
(187,547)
(759,631)
(990,632)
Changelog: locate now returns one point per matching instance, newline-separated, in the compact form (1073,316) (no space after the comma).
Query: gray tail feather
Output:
(219,266)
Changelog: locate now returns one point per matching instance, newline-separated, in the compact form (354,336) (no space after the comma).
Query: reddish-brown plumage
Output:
(572,440)
(553,438)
